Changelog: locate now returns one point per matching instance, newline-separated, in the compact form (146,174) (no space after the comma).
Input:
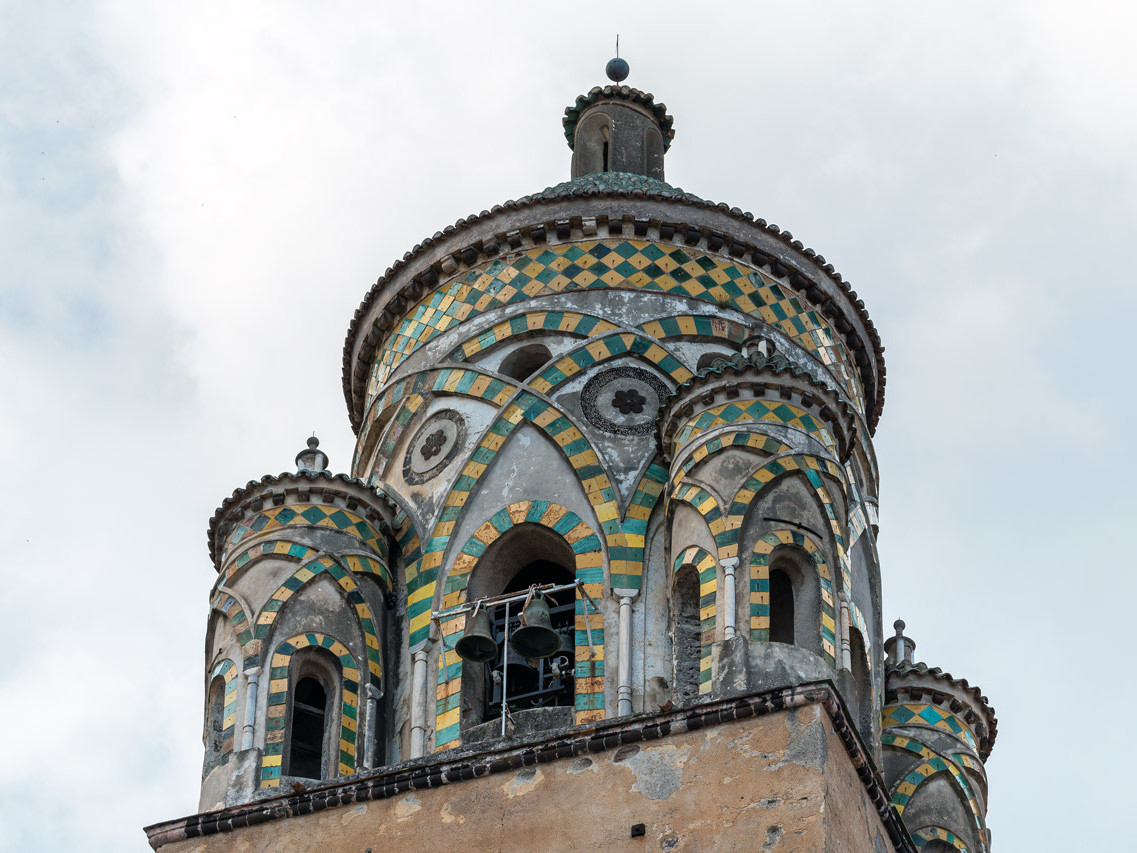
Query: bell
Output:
(476,644)
(520,677)
(536,637)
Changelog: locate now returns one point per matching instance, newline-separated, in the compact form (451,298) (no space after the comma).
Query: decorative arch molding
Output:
(278,704)
(226,670)
(812,467)
(704,503)
(707,569)
(634,524)
(229,607)
(280,549)
(937,833)
(557,426)
(587,548)
(605,348)
(755,411)
(760,587)
(698,326)
(714,443)
(933,765)
(302,577)
(566,322)
(931,716)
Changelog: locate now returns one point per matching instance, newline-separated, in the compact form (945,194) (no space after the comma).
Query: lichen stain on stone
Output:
(448,816)
(524,781)
(659,771)
(407,807)
(353,814)
(808,745)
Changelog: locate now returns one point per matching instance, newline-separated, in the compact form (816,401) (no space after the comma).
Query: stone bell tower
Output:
(655,414)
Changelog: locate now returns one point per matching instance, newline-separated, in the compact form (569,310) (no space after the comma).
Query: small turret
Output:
(937,732)
(618,129)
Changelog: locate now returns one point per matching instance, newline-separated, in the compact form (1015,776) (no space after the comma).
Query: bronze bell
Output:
(536,637)
(476,644)
(520,677)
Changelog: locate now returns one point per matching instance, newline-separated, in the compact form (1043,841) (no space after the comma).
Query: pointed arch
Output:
(715,443)
(925,834)
(708,507)
(760,587)
(228,606)
(224,726)
(934,764)
(304,575)
(278,703)
(707,569)
(587,548)
(557,426)
(566,322)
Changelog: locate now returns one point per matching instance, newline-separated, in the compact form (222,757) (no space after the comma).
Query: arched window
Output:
(309,724)
(686,633)
(862,681)
(215,724)
(310,751)
(524,361)
(527,554)
(781,607)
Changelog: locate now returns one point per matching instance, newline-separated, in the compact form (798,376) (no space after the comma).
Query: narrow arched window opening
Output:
(862,681)
(309,727)
(781,607)
(524,361)
(686,633)
(215,724)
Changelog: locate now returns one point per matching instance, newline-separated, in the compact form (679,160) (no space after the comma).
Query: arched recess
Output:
(812,467)
(532,322)
(932,839)
(589,558)
(279,685)
(761,559)
(706,573)
(720,441)
(862,679)
(304,575)
(229,607)
(708,507)
(524,361)
(221,714)
(933,765)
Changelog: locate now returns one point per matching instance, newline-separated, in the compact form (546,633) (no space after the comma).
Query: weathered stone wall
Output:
(782,781)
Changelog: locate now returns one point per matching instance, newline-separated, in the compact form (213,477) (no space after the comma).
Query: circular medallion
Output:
(623,400)
(435,444)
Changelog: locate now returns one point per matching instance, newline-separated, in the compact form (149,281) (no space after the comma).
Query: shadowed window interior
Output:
(309,718)
(215,724)
(687,633)
(541,683)
(781,608)
(524,361)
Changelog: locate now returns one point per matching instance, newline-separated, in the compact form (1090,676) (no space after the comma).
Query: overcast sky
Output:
(195,197)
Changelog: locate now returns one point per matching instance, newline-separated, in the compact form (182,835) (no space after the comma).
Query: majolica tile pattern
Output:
(938,833)
(589,624)
(278,704)
(916,714)
(754,411)
(705,565)
(312,515)
(608,264)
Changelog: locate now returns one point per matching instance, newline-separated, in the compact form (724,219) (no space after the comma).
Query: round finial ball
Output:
(899,625)
(617,70)
(313,442)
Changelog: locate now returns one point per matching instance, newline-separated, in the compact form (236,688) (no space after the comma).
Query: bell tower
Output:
(608,540)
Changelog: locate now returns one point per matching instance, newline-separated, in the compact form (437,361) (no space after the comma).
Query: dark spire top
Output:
(311,459)
(617,69)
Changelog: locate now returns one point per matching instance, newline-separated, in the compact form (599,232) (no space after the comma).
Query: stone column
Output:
(252,678)
(624,659)
(373,695)
(729,598)
(418,700)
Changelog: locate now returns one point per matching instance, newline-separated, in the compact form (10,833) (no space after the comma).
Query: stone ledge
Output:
(459,765)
